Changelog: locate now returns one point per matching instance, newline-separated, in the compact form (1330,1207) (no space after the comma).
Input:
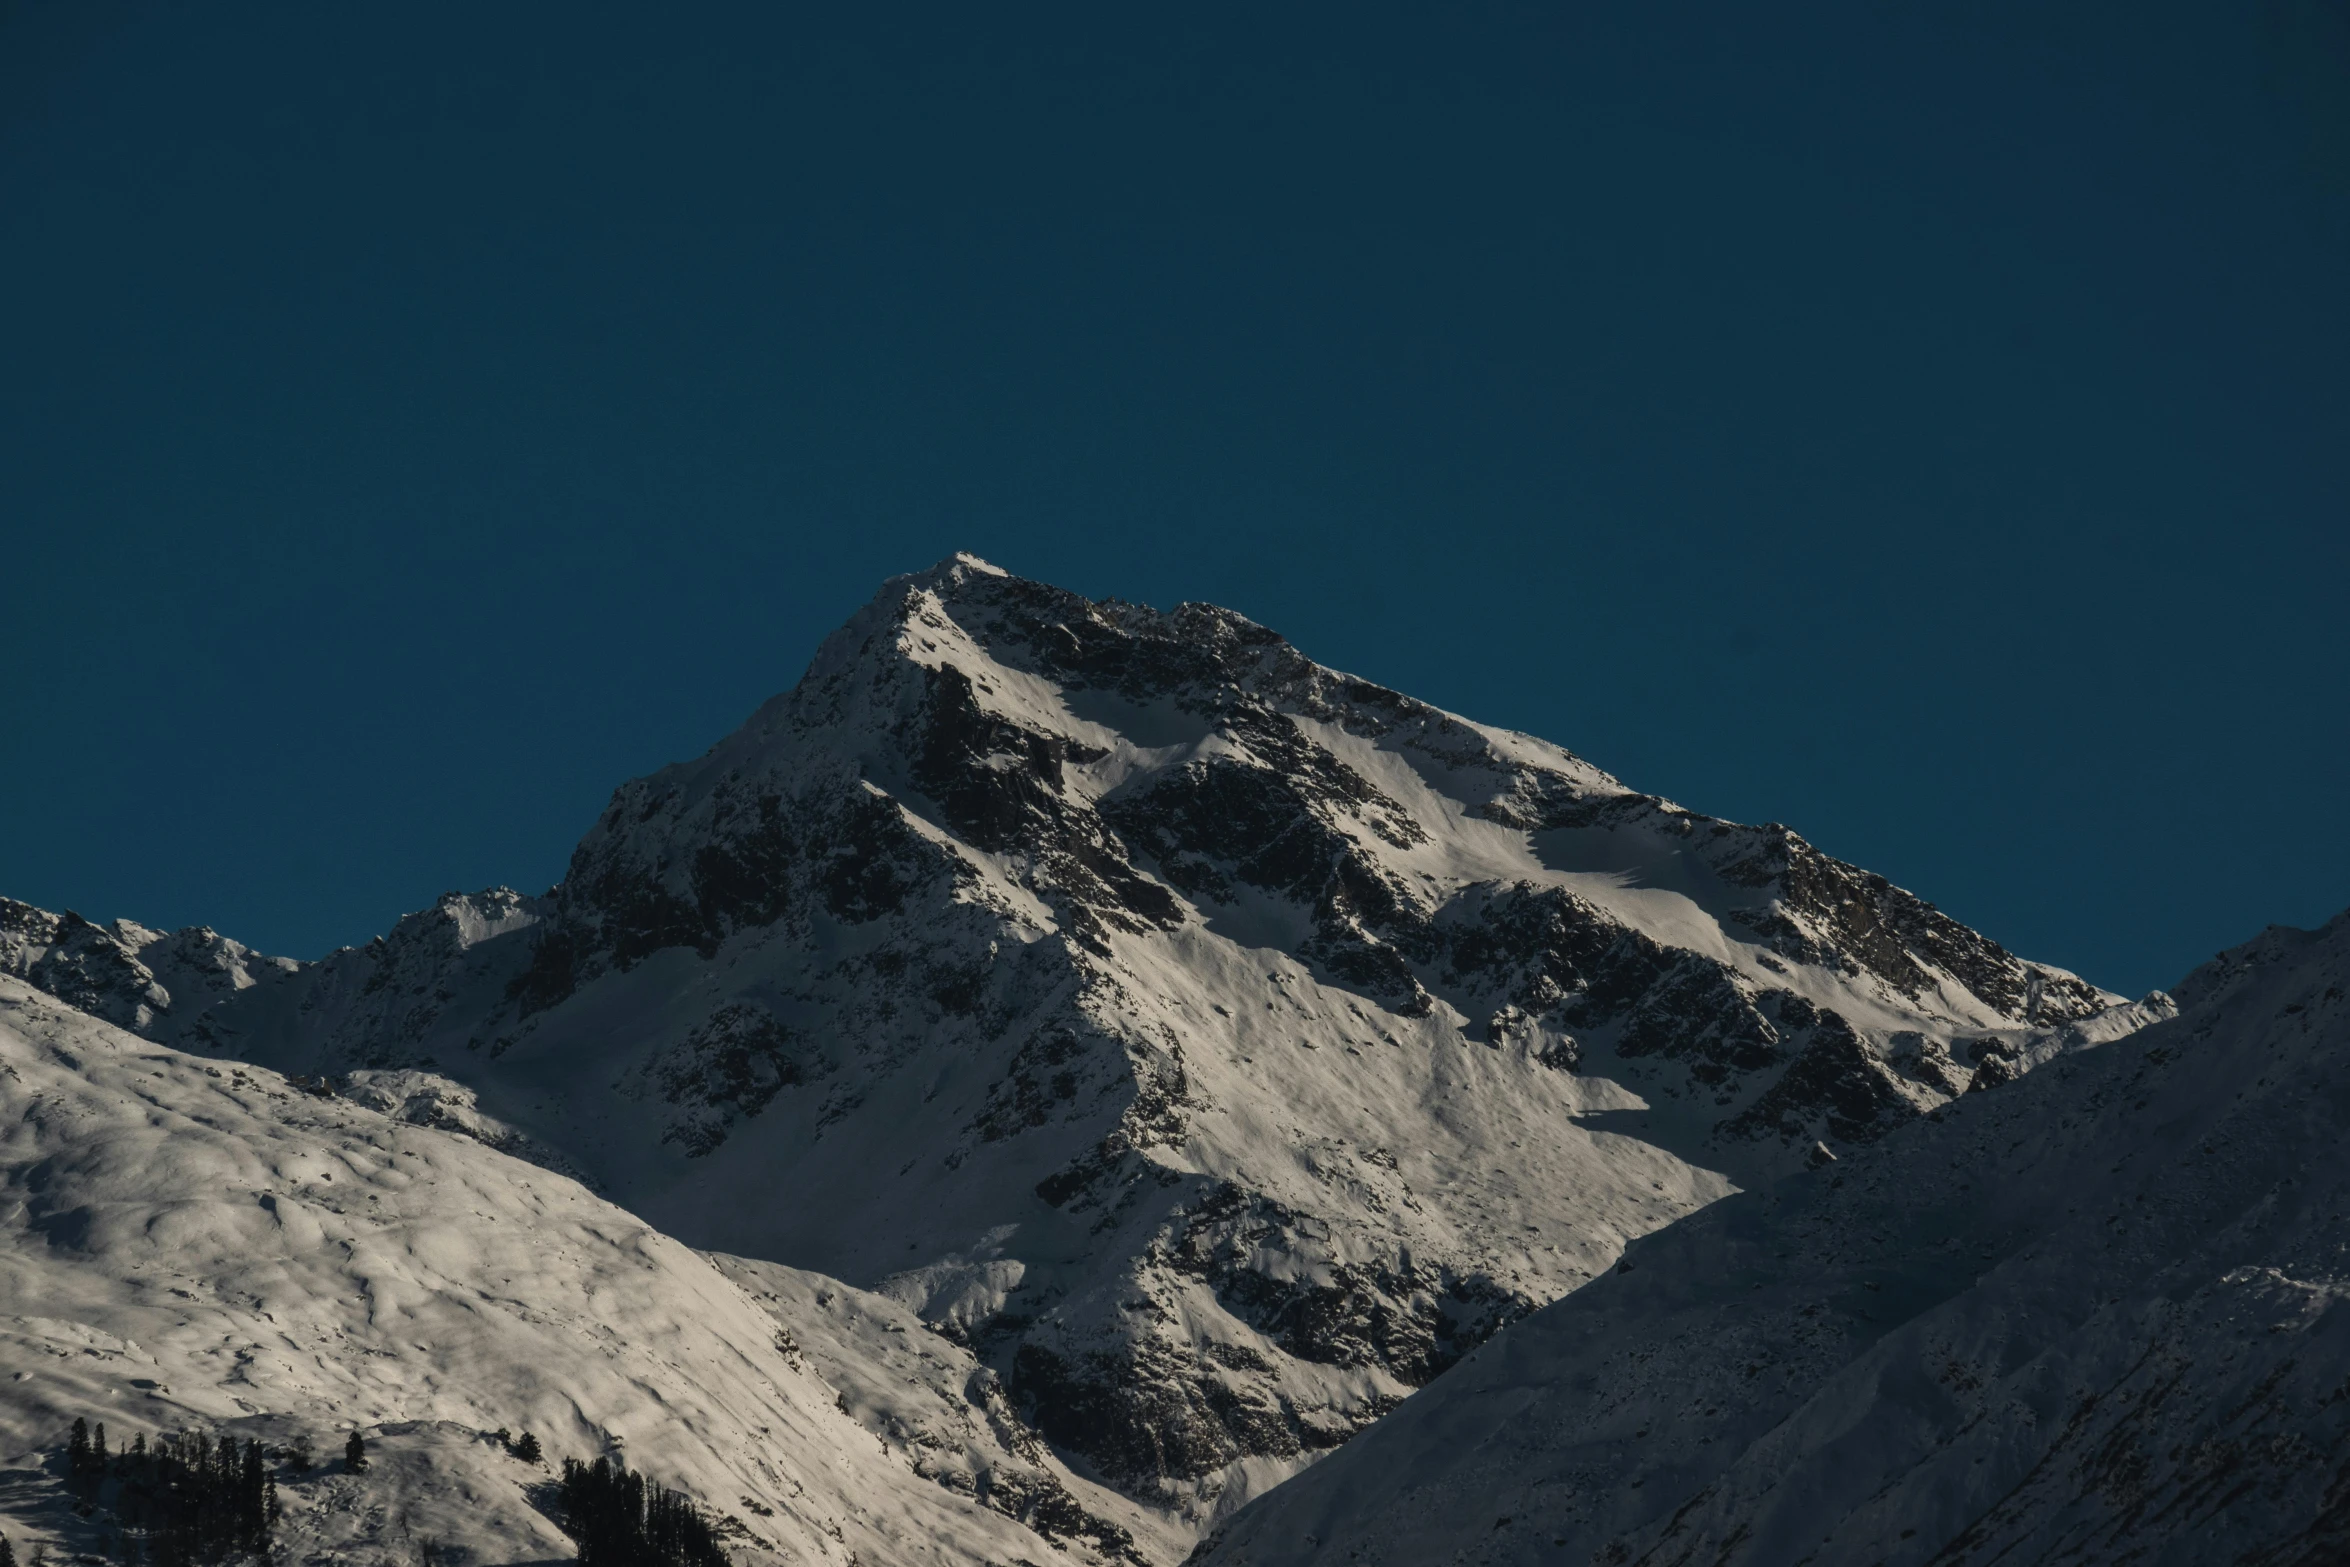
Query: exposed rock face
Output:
(2097,1315)
(165,986)
(1216,1045)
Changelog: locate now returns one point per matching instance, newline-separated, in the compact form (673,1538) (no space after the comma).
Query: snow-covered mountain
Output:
(186,1244)
(157,984)
(1211,1046)
(2101,1315)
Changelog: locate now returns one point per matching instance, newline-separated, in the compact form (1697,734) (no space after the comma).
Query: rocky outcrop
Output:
(165,985)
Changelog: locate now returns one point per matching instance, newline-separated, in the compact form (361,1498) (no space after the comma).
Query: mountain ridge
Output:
(2093,1316)
(1249,1042)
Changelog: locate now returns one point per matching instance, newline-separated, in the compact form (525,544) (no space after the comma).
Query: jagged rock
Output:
(164,985)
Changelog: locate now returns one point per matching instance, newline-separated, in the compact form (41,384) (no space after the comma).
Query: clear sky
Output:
(1929,430)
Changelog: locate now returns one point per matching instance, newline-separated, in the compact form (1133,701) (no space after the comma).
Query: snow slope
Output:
(1214,1045)
(2099,1315)
(186,1244)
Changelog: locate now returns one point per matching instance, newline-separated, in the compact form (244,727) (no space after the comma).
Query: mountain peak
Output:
(965,560)
(1215,1045)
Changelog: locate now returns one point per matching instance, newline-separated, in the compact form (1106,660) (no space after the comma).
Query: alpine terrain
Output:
(187,1245)
(2101,1315)
(1055,1018)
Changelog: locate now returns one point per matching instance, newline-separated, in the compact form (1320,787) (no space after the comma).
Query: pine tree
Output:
(7,1552)
(253,1497)
(355,1453)
(85,1465)
(526,1448)
(188,1501)
(619,1520)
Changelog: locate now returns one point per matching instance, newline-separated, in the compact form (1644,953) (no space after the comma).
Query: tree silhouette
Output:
(188,1501)
(355,1454)
(619,1519)
(85,1463)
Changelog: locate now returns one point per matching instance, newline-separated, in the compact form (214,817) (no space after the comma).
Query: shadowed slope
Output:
(2093,1316)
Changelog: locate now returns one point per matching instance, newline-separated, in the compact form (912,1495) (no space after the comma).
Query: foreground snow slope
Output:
(1217,1045)
(192,1245)
(2099,1315)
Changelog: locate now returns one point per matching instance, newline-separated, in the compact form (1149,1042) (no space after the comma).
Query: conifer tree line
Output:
(620,1519)
(185,1501)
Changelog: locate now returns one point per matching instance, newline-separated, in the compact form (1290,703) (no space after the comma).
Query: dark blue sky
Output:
(1927,430)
